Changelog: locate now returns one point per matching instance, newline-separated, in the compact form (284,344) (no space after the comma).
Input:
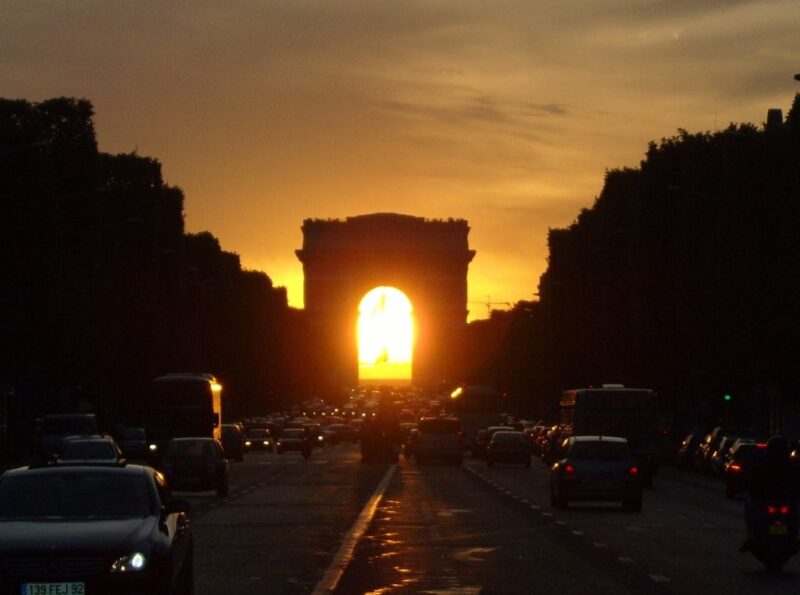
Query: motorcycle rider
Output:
(776,478)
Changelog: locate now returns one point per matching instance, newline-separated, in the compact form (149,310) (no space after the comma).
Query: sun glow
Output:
(385,336)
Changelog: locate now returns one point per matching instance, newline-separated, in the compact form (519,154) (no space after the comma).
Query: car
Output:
(89,448)
(197,464)
(93,528)
(293,440)
(438,438)
(133,444)
(596,468)
(258,439)
(233,441)
(742,457)
(508,447)
(52,429)
(338,433)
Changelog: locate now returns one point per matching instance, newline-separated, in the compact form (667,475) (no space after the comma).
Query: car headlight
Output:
(131,563)
(278,443)
(248,443)
(153,447)
(266,442)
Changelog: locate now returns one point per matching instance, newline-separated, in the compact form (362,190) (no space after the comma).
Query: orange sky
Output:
(503,113)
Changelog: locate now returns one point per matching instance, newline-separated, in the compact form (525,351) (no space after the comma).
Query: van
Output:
(438,438)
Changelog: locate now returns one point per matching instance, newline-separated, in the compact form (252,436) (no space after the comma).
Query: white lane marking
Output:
(576,532)
(659,578)
(342,558)
(625,559)
(600,544)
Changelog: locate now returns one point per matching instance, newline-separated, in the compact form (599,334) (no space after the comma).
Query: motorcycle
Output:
(773,529)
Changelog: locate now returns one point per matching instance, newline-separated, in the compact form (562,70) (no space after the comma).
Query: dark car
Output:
(196,464)
(233,441)
(338,433)
(52,429)
(743,456)
(508,447)
(259,439)
(90,448)
(93,529)
(596,468)
(133,443)
(294,440)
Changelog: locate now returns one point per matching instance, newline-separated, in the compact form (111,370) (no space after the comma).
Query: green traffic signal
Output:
(727,398)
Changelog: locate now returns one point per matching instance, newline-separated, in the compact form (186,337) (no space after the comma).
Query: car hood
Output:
(21,537)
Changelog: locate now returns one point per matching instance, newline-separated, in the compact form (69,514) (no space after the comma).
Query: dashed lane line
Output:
(335,571)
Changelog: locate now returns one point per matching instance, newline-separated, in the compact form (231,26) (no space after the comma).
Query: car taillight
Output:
(784,509)
(772,509)
(735,468)
(569,470)
(633,471)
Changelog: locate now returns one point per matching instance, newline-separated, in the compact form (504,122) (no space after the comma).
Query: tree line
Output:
(104,289)
(683,277)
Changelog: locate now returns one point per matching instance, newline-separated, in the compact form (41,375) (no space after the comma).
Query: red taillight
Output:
(734,468)
(761,445)
(633,471)
(772,509)
(569,469)
(784,509)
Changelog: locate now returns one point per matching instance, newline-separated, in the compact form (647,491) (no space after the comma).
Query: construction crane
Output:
(489,304)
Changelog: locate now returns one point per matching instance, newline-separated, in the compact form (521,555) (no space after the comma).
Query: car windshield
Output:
(258,434)
(81,495)
(599,451)
(81,450)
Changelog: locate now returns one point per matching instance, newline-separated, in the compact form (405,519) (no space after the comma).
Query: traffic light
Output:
(727,397)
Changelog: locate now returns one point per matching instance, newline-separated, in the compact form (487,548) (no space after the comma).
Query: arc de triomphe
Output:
(344,259)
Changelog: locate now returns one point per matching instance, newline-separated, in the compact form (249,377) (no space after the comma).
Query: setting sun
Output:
(385,336)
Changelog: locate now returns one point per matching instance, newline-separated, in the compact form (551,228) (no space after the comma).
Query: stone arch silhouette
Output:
(425,259)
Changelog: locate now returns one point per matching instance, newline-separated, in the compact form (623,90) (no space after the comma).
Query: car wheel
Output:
(730,493)
(528,462)
(222,490)
(489,462)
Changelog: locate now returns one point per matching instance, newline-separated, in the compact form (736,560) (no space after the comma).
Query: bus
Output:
(477,407)
(614,410)
(182,405)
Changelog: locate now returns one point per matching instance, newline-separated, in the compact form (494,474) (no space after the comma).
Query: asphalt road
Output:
(287,523)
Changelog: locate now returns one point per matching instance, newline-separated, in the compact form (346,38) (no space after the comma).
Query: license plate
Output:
(52,589)
(778,529)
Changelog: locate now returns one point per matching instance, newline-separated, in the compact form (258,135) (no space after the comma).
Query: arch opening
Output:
(386,334)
